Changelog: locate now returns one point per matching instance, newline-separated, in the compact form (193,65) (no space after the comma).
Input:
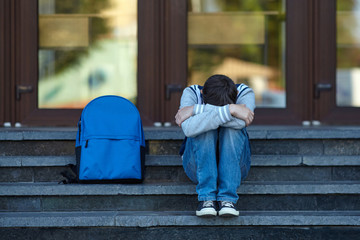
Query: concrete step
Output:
(171,147)
(317,147)
(105,225)
(269,196)
(268,168)
(179,226)
(160,168)
(175,133)
(265,140)
(175,160)
(178,219)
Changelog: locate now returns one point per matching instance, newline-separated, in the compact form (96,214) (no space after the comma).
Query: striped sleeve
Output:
(199,108)
(224,113)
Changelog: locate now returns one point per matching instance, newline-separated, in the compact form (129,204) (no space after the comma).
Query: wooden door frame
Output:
(297,70)
(175,55)
(325,108)
(26,68)
(149,45)
(7,65)
(324,56)
(162,58)
(152,54)
(172,59)
(3,20)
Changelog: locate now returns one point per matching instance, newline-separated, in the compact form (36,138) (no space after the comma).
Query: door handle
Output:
(320,87)
(170,88)
(22,89)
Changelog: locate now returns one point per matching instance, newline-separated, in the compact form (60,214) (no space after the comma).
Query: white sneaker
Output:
(206,209)
(227,209)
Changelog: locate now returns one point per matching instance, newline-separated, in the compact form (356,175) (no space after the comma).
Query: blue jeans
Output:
(217,161)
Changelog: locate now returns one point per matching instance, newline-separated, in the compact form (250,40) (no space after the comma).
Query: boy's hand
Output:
(242,112)
(183,114)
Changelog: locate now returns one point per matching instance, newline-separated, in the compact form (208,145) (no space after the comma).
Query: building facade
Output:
(302,58)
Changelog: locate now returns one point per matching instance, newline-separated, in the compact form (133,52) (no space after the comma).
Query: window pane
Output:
(243,39)
(348,53)
(87,48)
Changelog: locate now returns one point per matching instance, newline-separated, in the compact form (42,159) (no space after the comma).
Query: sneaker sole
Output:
(206,213)
(228,213)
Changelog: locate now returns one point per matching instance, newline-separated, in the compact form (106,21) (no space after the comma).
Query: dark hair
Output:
(219,90)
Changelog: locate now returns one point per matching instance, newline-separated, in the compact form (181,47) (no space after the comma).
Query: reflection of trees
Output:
(98,25)
(345,5)
(348,52)
(81,6)
(205,58)
(65,58)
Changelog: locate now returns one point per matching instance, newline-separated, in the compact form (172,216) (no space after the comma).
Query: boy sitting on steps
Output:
(216,150)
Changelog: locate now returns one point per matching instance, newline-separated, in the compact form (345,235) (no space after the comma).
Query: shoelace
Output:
(227,204)
(208,204)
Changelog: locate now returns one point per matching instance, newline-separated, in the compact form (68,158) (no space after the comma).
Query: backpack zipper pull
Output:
(86,144)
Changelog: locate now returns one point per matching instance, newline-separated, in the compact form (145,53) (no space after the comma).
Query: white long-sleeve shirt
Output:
(208,117)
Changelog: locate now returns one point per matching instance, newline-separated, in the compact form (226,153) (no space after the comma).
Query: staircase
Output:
(304,184)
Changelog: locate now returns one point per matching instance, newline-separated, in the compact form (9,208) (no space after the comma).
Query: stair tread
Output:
(175,160)
(175,133)
(250,188)
(177,218)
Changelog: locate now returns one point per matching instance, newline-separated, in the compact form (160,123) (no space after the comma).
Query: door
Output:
(68,52)
(59,55)
(260,43)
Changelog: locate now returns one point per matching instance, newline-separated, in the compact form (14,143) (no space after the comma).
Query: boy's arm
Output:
(198,118)
(239,114)
(211,118)
(195,118)
(187,103)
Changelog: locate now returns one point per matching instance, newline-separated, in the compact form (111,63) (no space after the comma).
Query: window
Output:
(348,53)
(244,40)
(86,49)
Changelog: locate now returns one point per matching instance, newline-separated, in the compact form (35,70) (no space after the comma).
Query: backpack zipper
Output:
(87,142)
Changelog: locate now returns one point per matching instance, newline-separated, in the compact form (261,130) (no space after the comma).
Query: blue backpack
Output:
(110,144)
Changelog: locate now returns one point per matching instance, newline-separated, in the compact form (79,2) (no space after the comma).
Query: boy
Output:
(216,152)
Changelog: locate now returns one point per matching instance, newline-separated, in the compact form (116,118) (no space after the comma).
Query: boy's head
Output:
(219,90)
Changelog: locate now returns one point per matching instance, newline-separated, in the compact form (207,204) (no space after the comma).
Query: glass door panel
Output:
(244,40)
(86,49)
(348,53)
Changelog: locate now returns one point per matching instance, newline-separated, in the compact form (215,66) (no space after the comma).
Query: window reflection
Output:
(87,48)
(242,39)
(348,53)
